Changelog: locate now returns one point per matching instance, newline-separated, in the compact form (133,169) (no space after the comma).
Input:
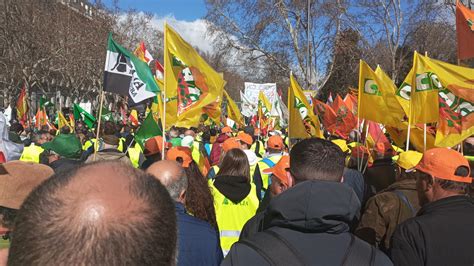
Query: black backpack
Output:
(280,252)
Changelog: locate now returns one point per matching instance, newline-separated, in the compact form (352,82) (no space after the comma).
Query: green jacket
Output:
(384,211)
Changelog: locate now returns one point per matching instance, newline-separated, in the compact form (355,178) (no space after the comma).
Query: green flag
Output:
(81,114)
(127,75)
(148,129)
(107,115)
(44,102)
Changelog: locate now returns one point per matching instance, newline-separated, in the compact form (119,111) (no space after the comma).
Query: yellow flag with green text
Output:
(233,111)
(377,97)
(191,85)
(303,122)
(63,122)
(453,106)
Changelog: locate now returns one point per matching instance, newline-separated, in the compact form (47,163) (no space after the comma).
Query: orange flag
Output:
(345,121)
(351,102)
(326,114)
(465,31)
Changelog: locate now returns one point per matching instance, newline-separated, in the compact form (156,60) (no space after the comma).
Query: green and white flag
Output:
(127,75)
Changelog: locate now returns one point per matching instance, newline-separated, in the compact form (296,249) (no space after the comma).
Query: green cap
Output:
(176,142)
(66,145)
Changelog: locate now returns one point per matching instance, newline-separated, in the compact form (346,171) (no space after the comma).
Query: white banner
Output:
(269,90)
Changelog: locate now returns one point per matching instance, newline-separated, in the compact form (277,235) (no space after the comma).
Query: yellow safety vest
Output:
(31,153)
(232,217)
(195,153)
(89,144)
(216,169)
(261,148)
(263,164)
(134,155)
(121,144)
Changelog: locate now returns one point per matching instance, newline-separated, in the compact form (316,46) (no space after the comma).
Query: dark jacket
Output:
(441,234)
(198,242)
(64,165)
(380,175)
(313,217)
(355,180)
(384,211)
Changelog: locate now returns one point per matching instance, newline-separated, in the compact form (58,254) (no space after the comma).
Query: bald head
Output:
(172,175)
(190,132)
(90,213)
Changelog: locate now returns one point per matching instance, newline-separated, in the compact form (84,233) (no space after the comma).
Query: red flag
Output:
(345,121)
(326,114)
(160,72)
(465,31)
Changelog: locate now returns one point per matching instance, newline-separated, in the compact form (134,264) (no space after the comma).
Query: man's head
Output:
(316,159)
(190,132)
(41,137)
(279,176)
(103,213)
(442,173)
(275,144)
(406,162)
(172,176)
(245,139)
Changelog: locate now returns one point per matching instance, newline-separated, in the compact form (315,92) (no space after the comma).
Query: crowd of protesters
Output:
(223,196)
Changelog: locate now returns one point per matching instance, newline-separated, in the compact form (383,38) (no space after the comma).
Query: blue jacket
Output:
(198,241)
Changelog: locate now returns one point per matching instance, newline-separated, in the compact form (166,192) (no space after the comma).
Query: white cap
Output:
(187,141)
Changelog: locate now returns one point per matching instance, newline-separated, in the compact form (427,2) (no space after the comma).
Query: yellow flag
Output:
(447,92)
(62,121)
(424,97)
(399,136)
(404,92)
(377,100)
(190,83)
(389,90)
(303,123)
(233,111)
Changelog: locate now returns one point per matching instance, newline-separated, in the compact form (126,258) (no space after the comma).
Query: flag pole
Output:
(163,93)
(96,144)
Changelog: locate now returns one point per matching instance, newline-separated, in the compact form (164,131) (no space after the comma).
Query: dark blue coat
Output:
(198,241)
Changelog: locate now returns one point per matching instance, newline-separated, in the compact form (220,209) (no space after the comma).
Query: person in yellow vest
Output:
(275,149)
(246,142)
(135,155)
(235,197)
(32,153)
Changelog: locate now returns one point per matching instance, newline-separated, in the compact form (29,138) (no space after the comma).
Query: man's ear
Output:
(182,196)
(3,256)
(291,180)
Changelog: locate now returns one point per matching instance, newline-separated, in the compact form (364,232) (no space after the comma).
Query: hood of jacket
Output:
(235,188)
(253,159)
(315,207)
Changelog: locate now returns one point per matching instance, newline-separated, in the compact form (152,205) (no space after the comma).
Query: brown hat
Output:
(18,179)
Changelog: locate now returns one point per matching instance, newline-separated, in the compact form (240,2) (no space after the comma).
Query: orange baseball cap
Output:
(231,143)
(280,169)
(244,137)
(275,142)
(154,145)
(442,163)
(180,152)
(226,130)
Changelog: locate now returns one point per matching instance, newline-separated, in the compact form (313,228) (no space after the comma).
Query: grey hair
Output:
(178,185)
